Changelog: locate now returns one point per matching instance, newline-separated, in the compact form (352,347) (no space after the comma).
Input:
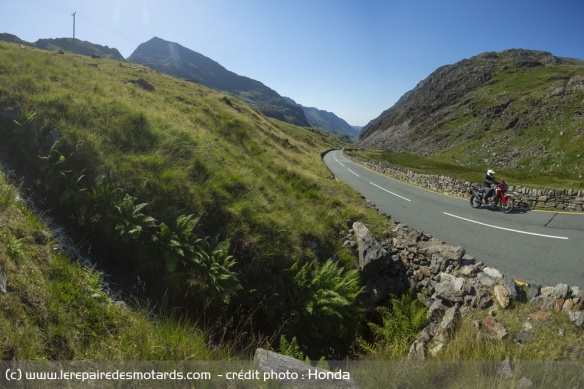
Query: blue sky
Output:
(355,58)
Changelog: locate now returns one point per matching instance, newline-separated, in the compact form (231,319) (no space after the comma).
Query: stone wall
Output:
(558,199)
(449,282)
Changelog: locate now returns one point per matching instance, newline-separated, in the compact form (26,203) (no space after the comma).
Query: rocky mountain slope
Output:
(177,60)
(512,109)
(327,121)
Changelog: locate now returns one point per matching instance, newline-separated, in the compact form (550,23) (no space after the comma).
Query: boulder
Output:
(10,114)
(142,83)
(282,369)
(372,256)
(483,300)
(449,291)
(485,279)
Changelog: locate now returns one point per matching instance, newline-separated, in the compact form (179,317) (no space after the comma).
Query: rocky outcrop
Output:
(558,199)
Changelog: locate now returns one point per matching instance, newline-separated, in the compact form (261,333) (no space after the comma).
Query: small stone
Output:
(524,383)
(492,272)
(505,369)
(533,292)
(495,327)
(437,350)
(540,315)
(511,287)
(3,281)
(485,279)
(502,296)
(523,336)
(577,317)
(417,351)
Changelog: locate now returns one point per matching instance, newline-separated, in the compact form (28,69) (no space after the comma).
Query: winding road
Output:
(537,247)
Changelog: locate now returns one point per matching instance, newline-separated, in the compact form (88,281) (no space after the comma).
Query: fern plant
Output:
(325,299)
(292,349)
(400,324)
(213,266)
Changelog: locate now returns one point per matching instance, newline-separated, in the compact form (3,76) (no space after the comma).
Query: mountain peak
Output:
(491,108)
(179,61)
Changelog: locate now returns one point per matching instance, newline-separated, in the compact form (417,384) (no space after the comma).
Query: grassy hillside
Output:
(179,61)
(193,198)
(56,309)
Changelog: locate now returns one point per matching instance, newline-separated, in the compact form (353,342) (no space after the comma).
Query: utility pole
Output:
(73,14)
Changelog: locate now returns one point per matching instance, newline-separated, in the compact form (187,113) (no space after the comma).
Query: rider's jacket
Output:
(488,181)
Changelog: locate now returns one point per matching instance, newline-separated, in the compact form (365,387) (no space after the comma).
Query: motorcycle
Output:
(499,199)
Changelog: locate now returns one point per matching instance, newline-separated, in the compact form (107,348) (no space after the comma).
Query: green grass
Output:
(180,150)
(57,309)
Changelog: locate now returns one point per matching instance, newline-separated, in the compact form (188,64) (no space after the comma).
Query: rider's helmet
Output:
(490,173)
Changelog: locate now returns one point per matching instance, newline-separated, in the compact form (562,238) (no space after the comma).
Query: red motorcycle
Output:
(500,198)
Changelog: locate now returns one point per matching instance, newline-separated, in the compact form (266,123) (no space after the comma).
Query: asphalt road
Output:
(544,248)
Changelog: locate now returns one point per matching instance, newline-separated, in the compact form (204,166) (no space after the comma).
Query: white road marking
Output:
(336,159)
(401,197)
(507,229)
(353,172)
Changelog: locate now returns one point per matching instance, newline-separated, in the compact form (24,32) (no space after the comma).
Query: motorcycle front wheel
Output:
(506,208)
(475,201)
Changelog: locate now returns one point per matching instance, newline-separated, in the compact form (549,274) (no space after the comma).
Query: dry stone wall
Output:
(556,199)
(449,282)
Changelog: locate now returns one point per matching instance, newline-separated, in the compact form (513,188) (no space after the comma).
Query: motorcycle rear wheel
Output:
(475,201)
(507,208)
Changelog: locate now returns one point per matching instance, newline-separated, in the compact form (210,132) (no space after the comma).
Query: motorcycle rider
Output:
(488,182)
